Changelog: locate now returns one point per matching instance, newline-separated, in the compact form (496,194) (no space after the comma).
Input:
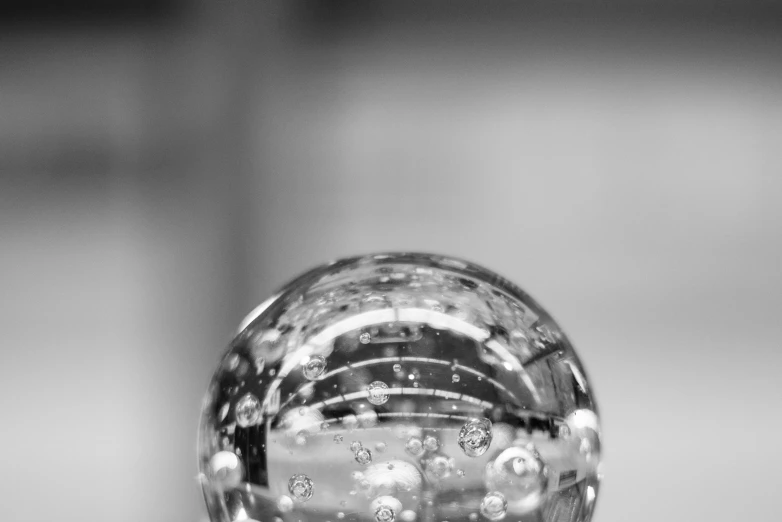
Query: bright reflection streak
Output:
(404,391)
(441,362)
(483,376)
(578,376)
(511,363)
(421,414)
(327,335)
(385,360)
(442,321)
(367,362)
(256,312)
(425,359)
(590,497)
(389,315)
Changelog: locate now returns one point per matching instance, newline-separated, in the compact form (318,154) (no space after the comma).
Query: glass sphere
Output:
(400,387)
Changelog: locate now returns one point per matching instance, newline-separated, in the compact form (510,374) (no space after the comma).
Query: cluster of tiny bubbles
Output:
(494,506)
(494,375)
(314,367)
(475,437)
(248,410)
(301,487)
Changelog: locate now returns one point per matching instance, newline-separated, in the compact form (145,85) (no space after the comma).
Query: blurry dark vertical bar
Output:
(250,44)
(243,52)
(248,441)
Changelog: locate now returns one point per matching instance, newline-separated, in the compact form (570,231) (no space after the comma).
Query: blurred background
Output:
(165,165)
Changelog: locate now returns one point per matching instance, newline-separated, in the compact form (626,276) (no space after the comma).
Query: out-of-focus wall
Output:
(623,167)
(120,160)
(161,173)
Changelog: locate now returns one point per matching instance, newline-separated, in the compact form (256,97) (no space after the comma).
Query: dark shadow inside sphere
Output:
(400,387)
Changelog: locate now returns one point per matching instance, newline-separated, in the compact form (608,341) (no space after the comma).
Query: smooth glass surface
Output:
(400,387)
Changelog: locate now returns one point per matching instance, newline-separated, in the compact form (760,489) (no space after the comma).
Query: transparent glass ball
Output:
(400,387)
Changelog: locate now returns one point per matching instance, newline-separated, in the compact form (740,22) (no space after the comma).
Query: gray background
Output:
(164,166)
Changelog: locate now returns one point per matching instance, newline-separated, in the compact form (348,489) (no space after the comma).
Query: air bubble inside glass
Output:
(400,387)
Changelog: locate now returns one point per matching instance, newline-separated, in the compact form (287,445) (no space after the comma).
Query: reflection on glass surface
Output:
(400,387)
